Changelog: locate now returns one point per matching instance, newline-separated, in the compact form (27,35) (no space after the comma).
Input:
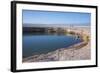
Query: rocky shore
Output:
(79,51)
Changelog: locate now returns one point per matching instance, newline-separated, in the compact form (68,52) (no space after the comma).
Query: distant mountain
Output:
(53,25)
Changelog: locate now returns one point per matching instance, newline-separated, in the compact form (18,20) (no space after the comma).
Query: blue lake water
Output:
(38,44)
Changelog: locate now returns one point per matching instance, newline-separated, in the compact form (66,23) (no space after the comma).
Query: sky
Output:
(54,17)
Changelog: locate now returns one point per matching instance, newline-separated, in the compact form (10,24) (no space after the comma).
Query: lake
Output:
(40,44)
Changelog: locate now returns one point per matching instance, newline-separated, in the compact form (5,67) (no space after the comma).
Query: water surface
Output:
(39,44)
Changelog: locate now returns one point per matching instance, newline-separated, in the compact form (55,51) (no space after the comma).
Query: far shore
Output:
(79,51)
